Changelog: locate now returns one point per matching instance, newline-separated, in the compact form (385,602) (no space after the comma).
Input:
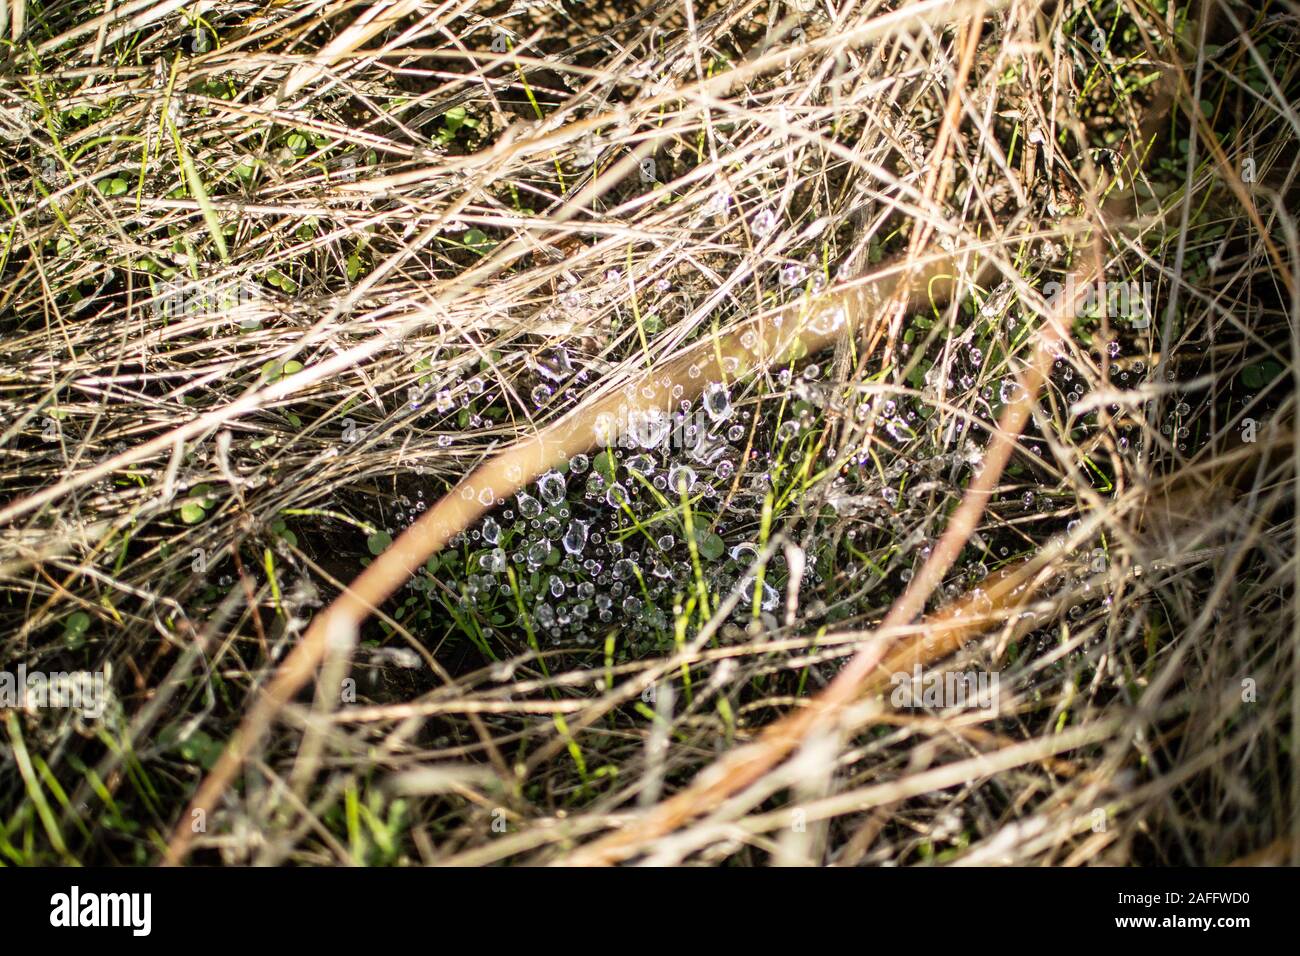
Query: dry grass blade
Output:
(561,433)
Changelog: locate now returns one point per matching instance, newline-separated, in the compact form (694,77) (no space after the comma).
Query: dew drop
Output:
(575,538)
(793,274)
(679,474)
(744,553)
(529,506)
(551,487)
(641,464)
(899,430)
(764,222)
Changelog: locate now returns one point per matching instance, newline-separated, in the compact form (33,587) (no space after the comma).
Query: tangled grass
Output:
(275,276)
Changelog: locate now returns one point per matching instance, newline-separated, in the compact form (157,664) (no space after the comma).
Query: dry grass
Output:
(459,221)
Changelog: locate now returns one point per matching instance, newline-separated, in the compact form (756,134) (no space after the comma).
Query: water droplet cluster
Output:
(602,542)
